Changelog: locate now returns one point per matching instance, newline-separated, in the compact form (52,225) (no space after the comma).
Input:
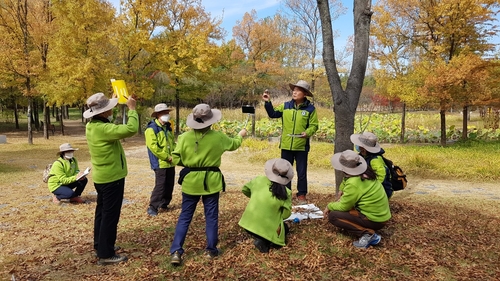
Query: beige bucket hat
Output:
(304,85)
(366,140)
(349,162)
(279,170)
(66,147)
(203,116)
(99,103)
(159,108)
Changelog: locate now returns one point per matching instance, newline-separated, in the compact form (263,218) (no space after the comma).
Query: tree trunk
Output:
(403,124)
(346,102)
(442,114)
(177,109)
(61,120)
(465,114)
(30,131)
(46,121)
(36,115)
(16,114)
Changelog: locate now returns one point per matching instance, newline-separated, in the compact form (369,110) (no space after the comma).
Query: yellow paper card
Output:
(120,90)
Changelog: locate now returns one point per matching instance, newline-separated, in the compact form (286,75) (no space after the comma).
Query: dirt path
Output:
(238,170)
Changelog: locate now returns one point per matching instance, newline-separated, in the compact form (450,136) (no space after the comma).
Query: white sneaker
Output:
(367,240)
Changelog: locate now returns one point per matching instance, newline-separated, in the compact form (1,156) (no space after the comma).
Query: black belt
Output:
(186,170)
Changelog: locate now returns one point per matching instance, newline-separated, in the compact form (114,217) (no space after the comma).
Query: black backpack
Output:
(398,177)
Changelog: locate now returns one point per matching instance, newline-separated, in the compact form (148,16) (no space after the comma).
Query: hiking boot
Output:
(112,260)
(77,199)
(55,200)
(301,199)
(262,245)
(116,248)
(152,211)
(367,240)
(176,259)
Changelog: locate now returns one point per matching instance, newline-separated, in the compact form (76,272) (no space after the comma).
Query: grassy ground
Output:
(448,235)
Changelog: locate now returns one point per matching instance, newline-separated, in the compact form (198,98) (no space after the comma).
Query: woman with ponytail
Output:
(270,203)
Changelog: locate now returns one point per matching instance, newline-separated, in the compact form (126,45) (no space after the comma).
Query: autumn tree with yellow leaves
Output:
(433,34)
(24,30)
(80,60)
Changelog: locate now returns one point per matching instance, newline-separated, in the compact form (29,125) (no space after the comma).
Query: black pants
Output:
(269,243)
(107,215)
(164,187)
(301,166)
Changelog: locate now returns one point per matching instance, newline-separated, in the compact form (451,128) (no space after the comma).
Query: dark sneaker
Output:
(301,200)
(152,211)
(262,245)
(211,255)
(112,260)
(367,240)
(175,258)
(77,199)
(116,248)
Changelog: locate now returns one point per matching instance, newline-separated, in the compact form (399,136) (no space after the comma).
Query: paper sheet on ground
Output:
(304,212)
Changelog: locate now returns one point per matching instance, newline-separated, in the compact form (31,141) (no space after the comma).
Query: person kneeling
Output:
(270,203)
(65,175)
(363,207)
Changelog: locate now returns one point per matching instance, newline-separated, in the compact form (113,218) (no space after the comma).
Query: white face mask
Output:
(165,118)
(68,155)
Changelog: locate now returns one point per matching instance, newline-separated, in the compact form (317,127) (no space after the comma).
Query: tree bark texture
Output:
(346,101)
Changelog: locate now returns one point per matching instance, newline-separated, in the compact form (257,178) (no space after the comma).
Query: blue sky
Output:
(233,10)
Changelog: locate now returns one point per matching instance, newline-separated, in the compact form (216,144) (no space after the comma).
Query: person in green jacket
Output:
(270,203)
(109,170)
(199,151)
(363,207)
(65,176)
(160,143)
(368,147)
(299,124)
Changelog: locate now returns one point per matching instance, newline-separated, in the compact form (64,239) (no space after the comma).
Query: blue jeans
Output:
(66,191)
(301,166)
(211,208)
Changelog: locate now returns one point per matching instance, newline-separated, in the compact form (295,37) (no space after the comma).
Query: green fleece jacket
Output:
(367,196)
(295,120)
(63,172)
(159,145)
(264,213)
(378,166)
(196,149)
(106,152)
